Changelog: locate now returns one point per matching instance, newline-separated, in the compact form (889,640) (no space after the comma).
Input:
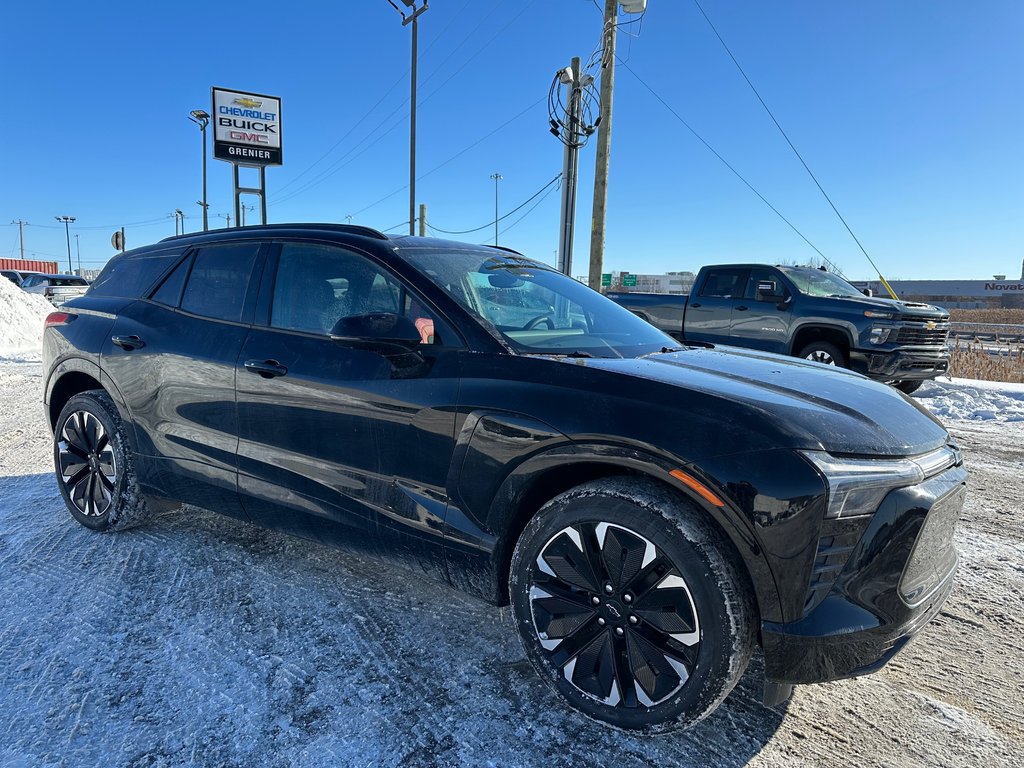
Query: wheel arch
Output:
(833,334)
(71,377)
(548,475)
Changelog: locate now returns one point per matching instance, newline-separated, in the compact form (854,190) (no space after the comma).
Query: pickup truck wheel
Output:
(823,352)
(910,386)
(94,467)
(631,605)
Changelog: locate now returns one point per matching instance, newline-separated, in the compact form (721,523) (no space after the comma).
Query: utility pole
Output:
(423,219)
(497,177)
(202,118)
(412,18)
(570,78)
(225,216)
(244,207)
(604,143)
(68,220)
(21,235)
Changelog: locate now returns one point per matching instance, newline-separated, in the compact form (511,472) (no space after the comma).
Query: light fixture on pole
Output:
(412,19)
(67,232)
(202,119)
(497,177)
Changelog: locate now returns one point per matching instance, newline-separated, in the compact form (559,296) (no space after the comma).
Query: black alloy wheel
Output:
(94,466)
(86,464)
(632,604)
(614,614)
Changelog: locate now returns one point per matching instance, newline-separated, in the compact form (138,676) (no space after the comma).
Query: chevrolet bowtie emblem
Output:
(247,102)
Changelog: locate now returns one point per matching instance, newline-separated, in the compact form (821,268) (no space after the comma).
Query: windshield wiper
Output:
(574,353)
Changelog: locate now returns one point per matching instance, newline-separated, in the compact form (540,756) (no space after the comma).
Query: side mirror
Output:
(768,291)
(868,292)
(377,328)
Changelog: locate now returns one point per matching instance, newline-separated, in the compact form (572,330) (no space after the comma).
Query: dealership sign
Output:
(247,128)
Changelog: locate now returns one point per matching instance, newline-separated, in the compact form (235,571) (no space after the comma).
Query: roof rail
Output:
(352,229)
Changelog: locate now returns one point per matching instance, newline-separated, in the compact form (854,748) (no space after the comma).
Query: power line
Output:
(500,218)
(531,209)
(457,155)
(387,93)
(784,135)
(352,154)
(725,162)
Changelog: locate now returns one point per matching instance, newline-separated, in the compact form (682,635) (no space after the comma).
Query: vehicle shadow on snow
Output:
(210,636)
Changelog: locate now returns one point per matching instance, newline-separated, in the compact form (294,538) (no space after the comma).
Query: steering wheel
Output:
(538,321)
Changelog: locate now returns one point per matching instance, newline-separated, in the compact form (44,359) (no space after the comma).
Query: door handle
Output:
(741,308)
(695,306)
(128,343)
(268,369)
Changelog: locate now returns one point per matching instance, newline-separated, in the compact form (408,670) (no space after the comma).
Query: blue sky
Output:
(910,113)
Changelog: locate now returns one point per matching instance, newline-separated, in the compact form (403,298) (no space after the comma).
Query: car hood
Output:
(913,308)
(809,405)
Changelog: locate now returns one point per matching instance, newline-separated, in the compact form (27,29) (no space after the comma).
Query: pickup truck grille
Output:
(922,336)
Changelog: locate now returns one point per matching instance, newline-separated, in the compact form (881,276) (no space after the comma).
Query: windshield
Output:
(815,282)
(535,308)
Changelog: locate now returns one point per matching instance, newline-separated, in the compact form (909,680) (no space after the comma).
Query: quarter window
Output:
(217,284)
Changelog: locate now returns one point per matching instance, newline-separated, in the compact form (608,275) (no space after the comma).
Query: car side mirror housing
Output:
(868,292)
(379,328)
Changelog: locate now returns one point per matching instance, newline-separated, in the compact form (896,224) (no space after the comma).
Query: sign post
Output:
(247,134)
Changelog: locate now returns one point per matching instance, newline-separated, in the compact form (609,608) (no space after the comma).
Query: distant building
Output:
(955,294)
(671,282)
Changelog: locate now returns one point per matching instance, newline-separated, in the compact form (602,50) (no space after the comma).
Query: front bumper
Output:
(901,364)
(877,581)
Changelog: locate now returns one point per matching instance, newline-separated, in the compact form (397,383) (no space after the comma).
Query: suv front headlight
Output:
(857,486)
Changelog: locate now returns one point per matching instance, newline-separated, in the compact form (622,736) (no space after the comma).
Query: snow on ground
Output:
(202,640)
(973,400)
(21,321)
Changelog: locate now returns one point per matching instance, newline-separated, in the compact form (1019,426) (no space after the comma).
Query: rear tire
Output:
(823,352)
(632,605)
(94,467)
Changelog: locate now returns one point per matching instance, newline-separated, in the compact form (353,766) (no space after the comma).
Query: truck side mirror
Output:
(868,292)
(768,291)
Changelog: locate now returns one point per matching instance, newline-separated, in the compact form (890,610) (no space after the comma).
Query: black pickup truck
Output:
(806,312)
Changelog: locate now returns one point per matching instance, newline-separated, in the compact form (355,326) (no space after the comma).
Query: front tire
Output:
(94,466)
(909,386)
(632,605)
(823,352)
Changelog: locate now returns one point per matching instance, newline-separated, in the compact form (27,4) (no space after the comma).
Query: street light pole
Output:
(202,119)
(497,177)
(412,19)
(67,233)
(78,250)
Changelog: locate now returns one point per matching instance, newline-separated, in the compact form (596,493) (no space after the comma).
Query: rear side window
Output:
(134,276)
(723,283)
(218,281)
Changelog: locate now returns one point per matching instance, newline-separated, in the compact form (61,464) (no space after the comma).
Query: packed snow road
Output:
(201,640)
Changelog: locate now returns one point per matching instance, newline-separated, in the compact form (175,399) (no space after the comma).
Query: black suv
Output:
(652,511)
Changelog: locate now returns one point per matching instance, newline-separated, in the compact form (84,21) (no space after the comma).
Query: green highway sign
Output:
(606,278)
(628,280)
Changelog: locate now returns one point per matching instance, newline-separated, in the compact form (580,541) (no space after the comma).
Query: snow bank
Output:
(972,400)
(21,320)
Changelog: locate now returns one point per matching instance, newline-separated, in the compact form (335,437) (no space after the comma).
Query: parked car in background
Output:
(651,510)
(13,275)
(56,288)
(805,312)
